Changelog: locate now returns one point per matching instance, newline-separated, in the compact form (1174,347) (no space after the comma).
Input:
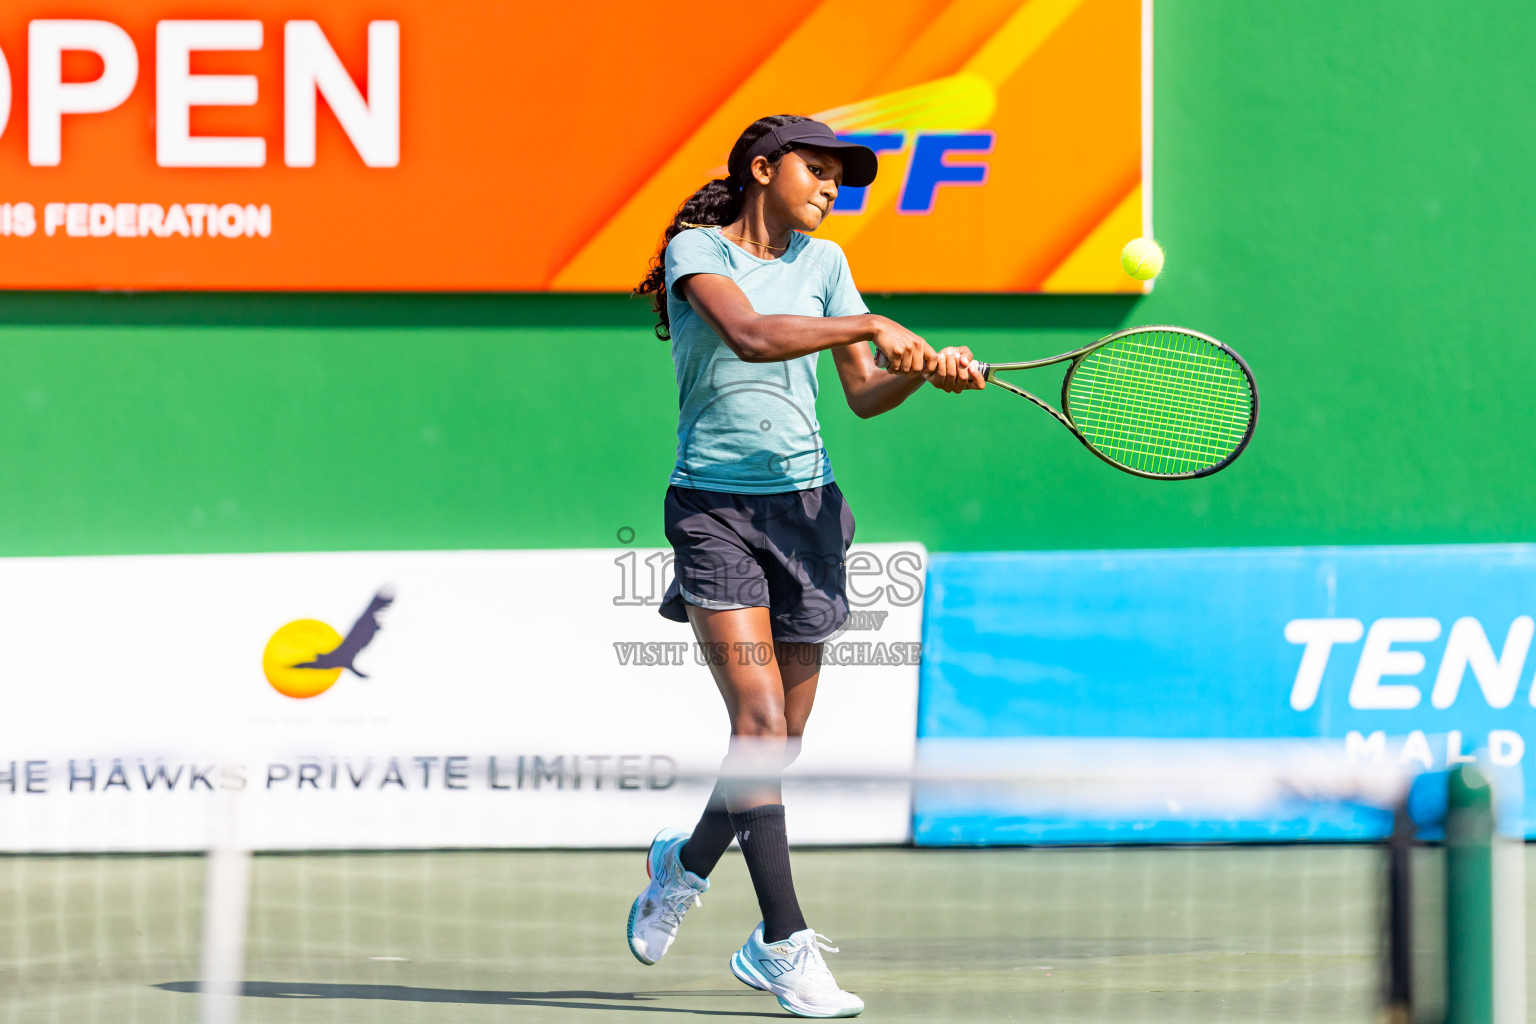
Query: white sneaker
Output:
(658,911)
(795,971)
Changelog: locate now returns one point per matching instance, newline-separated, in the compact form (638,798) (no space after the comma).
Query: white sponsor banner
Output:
(508,698)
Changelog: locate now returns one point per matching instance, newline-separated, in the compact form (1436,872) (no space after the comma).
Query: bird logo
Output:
(306,656)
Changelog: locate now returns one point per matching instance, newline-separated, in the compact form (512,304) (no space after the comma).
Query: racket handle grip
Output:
(977,365)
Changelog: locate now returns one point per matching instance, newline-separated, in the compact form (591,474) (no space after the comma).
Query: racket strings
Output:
(1175,395)
(1175,429)
(1162,402)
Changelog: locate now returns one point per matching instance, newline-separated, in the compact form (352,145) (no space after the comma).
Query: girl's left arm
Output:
(871,390)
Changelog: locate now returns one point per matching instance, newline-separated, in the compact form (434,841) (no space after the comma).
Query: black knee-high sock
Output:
(760,830)
(711,836)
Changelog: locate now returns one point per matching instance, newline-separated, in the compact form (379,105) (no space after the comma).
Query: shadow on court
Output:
(575,999)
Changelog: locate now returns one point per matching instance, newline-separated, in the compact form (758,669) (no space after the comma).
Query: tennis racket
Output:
(1159,402)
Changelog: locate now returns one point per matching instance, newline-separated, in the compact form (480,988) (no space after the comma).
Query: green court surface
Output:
(1126,934)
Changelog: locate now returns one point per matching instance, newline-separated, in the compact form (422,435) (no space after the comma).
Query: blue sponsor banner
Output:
(1416,656)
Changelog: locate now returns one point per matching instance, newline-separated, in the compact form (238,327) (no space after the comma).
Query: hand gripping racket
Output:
(1160,402)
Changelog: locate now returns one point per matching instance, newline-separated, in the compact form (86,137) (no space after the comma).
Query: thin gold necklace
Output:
(750,241)
(738,238)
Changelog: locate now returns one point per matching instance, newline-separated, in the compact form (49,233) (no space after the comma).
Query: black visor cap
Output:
(859,162)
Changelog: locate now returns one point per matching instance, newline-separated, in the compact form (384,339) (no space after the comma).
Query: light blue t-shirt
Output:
(751,428)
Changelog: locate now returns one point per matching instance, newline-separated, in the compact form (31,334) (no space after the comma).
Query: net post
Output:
(1400,951)
(226,900)
(1469,897)
(1509,937)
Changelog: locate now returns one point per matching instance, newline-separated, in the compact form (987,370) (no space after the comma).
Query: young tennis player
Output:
(758,526)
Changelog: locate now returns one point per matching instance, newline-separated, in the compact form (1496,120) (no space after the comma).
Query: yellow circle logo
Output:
(306,656)
(291,646)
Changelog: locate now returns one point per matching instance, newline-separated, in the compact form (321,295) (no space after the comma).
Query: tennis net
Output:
(1156,923)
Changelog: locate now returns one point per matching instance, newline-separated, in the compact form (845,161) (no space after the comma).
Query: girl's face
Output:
(802,187)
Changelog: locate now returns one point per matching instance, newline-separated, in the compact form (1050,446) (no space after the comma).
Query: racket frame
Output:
(1064,415)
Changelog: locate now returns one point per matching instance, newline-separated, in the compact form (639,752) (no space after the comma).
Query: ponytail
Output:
(718,202)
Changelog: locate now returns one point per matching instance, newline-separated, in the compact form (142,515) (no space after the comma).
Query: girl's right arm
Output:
(758,338)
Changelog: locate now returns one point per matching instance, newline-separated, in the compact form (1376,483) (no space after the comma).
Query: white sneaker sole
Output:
(749,975)
(743,975)
(634,911)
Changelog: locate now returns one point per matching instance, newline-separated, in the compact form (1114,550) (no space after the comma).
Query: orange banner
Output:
(406,145)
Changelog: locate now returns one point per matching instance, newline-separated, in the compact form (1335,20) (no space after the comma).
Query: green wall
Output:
(1346,193)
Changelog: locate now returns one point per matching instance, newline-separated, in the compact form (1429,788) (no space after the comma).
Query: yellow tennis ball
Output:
(1142,258)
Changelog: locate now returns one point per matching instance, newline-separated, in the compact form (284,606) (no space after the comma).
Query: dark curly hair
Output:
(718,202)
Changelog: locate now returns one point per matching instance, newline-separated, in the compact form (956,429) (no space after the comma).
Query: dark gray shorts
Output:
(783,552)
